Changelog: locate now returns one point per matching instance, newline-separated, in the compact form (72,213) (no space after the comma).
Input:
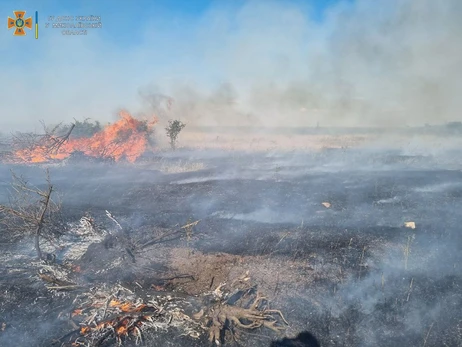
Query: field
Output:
(346,236)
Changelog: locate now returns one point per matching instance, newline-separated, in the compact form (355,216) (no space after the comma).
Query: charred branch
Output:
(173,235)
(50,141)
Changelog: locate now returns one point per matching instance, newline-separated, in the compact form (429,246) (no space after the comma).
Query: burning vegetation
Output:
(103,319)
(116,315)
(102,256)
(128,139)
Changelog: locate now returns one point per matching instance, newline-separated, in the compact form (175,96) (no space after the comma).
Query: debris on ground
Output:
(237,311)
(410,225)
(108,315)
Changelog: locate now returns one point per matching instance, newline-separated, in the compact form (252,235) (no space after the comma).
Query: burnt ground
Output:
(349,272)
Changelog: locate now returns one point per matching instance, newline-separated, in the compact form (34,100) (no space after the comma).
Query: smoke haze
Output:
(364,63)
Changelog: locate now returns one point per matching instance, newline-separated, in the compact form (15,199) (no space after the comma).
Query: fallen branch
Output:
(65,287)
(111,217)
(161,238)
(175,232)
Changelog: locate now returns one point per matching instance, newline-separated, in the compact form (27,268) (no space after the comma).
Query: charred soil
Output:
(183,259)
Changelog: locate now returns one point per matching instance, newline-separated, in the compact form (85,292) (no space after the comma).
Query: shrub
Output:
(173,130)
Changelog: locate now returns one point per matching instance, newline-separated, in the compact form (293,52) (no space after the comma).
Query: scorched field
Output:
(360,246)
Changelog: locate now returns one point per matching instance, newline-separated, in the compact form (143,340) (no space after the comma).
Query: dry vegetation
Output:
(31,211)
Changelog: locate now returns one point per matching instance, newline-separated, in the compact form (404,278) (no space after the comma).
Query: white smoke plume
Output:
(379,63)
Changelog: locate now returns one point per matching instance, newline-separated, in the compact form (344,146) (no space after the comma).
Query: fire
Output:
(114,303)
(101,326)
(123,329)
(140,307)
(77,312)
(126,322)
(125,306)
(127,138)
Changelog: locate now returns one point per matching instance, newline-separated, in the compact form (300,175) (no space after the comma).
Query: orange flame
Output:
(126,307)
(122,330)
(77,312)
(127,138)
(114,303)
(140,307)
(101,326)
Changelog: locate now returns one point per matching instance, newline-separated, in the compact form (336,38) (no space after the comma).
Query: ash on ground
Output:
(359,248)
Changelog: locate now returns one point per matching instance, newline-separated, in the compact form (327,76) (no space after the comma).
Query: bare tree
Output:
(31,211)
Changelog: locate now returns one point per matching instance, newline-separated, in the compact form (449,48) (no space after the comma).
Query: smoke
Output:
(385,63)
(273,63)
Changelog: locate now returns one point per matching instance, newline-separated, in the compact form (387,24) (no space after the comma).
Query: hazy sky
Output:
(273,62)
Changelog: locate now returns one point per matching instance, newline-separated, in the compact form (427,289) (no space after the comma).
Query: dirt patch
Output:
(273,275)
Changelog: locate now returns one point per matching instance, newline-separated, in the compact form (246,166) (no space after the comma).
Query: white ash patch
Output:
(76,241)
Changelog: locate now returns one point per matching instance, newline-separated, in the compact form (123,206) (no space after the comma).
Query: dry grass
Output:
(288,142)
(261,142)
(171,167)
(181,166)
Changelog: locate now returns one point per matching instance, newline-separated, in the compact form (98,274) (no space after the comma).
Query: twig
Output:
(361,262)
(60,340)
(410,289)
(428,334)
(277,244)
(65,287)
(159,239)
(92,318)
(109,215)
(59,141)
(40,222)
(107,304)
(193,224)
(277,284)
(175,277)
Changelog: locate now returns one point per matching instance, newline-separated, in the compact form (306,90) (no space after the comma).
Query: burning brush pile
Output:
(106,316)
(115,315)
(127,138)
